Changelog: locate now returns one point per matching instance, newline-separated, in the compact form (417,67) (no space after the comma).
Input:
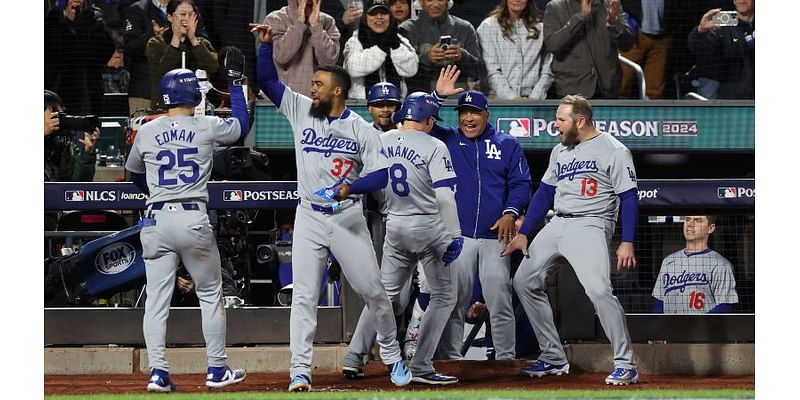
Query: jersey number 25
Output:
(177,157)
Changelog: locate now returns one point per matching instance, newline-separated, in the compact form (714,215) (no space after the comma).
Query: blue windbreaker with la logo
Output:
(492,178)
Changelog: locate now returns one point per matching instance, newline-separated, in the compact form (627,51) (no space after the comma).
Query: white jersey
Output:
(418,164)
(329,150)
(693,283)
(177,153)
(589,176)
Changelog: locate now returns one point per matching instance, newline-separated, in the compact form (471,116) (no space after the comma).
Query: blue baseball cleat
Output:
(399,373)
(219,377)
(623,376)
(160,382)
(541,368)
(300,383)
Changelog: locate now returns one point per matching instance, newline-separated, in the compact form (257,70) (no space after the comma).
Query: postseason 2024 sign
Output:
(679,125)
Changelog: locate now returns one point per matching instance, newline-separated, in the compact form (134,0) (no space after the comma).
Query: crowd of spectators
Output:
(509,49)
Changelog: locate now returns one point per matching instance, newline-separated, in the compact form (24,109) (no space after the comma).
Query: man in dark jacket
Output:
(732,49)
(493,186)
(585,37)
(143,19)
(76,48)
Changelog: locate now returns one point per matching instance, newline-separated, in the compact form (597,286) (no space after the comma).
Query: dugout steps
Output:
(656,358)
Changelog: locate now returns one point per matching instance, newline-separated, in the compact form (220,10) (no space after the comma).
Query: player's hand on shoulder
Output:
(626,257)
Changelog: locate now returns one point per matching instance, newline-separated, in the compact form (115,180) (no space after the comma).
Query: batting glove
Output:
(328,193)
(453,250)
(234,66)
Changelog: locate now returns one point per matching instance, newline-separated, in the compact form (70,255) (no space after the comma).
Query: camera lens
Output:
(265,254)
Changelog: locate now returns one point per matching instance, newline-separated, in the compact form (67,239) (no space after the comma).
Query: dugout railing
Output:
(270,325)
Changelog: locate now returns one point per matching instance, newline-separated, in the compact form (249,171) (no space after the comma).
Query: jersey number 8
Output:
(178,157)
(398,175)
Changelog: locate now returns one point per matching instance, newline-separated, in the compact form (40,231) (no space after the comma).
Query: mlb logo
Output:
(232,195)
(517,127)
(74,195)
(727,192)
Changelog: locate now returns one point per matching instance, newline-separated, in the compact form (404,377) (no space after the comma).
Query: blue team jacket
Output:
(492,178)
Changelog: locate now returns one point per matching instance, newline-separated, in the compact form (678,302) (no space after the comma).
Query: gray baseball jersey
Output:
(176,154)
(693,283)
(418,162)
(329,150)
(414,233)
(326,150)
(587,177)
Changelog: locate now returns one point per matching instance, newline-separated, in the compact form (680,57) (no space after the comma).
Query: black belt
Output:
(331,208)
(563,215)
(186,206)
(654,36)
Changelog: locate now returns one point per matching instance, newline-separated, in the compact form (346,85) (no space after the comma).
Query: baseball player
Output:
(422,226)
(696,279)
(174,154)
(339,156)
(493,186)
(589,177)
(383,100)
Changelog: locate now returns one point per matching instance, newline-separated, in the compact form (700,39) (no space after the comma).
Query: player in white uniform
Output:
(422,226)
(696,279)
(339,157)
(176,152)
(590,176)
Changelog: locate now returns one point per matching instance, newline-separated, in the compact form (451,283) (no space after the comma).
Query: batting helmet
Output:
(180,87)
(417,107)
(383,91)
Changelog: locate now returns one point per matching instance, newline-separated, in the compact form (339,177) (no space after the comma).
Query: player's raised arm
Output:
(234,70)
(265,66)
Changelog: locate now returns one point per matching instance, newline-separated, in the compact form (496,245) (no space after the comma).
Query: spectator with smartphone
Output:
(378,53)
(730,48)
(428,34)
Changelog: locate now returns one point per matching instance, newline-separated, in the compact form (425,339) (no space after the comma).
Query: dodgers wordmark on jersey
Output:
(695,282)
(327,151)
(589,176)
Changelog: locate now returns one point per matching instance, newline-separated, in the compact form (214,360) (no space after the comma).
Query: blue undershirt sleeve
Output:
(541,202)
(268,75)
(629,205)
(376,180)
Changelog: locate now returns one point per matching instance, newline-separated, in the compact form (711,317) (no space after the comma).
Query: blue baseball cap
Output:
(473,99)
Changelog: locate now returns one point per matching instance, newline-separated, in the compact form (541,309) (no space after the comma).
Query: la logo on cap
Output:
(384,89)
(468,98)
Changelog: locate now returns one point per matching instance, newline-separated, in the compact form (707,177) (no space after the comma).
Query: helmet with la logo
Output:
(418,106)
(383,91)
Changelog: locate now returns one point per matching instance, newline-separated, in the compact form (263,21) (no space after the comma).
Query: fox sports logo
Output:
(115,258)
